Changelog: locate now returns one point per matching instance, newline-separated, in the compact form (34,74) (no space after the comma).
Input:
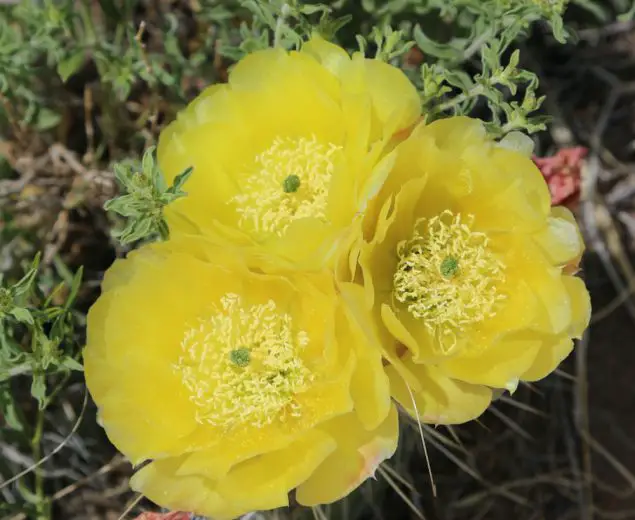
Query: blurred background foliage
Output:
(87,85)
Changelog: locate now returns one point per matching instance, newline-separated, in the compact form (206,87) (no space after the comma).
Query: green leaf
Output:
(121,174)
(47,119)
(142,228)
(8,408)
(519,142)
(74,289)
(38,389)
(312,9)
(164,230)
(368,5)
(25,283)
(71,64)
(629,15)
(180,180)
(72,364)
(147,163)
(125,205)
(433,48)
(28,495)
(22,315)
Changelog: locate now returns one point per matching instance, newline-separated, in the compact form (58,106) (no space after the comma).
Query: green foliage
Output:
(66,36)
(279,23)
(145,196)
(37,341)
(628,15)
(33,330)
(389,44)
(478,34)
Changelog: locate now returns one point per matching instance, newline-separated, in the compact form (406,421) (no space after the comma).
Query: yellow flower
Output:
(236,387)
(287,154)
(465,266)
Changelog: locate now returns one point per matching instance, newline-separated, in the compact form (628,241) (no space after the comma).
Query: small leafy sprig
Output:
(389,44)
(282,23)
(507,114)
(36,338)
(145,195)
(47,328)
(509,91)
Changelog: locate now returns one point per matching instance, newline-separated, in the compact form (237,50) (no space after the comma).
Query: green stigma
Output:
(291,184)
(240,357)
(449,267)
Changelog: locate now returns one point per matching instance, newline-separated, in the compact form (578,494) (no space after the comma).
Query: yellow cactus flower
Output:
(214,374)
(288,152)
(465,267)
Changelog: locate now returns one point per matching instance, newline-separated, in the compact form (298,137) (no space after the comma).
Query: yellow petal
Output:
(397,329)
(356,458)
(495,365)
(158,482)
(138,425)
(96,372)
(456,133)
(525,261)
(580,305)
(255,69)
(369,387)
(561,239)
(550,355)
(531,181)
(441,400)
(328,54)
(306,244)
(253,485)
(396,101)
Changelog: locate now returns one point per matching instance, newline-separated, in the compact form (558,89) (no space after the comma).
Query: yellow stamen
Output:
(290,180)
(242,365)
(447,276)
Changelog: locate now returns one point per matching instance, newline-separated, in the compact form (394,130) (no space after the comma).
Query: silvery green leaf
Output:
(518,142)
(38,389)
(22,315)
(70,363)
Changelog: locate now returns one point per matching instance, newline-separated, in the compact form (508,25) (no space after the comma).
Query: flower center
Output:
(242,365)
(447,276)
(290,181)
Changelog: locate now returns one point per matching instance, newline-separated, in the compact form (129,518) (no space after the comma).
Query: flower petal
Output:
(561,240)
(328,54)
(495,365)
(369,387)
(441,400)
(580,305)
(252,484)
(158,482)
(356,458)
(550,355)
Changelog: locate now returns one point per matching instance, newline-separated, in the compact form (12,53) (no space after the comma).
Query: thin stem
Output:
(41,506)
(36,448)
(477,90)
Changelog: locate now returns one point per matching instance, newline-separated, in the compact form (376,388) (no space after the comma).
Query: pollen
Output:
(288,181)
(448,277)
(243,365)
